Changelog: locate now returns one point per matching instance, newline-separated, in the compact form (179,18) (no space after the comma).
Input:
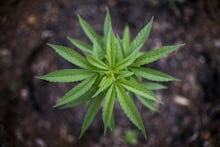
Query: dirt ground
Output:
(190,115)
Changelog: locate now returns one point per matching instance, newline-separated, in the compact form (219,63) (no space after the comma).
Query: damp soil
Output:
(190,115)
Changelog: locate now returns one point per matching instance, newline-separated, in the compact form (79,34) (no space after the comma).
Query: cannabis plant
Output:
(111,69)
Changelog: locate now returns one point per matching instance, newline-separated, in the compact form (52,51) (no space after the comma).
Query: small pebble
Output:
(46,34)
(181,100)
(40,142)
(31,20)
(24,94)
(18,135)
(71,138)
(4,52)
(217,43)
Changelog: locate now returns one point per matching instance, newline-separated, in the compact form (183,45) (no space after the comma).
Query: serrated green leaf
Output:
(126,39)
(89,31)
(98,52)
(153,86)
(112,125)
(128,60)
(77,91)
(141,38)
(97,63)
(110,48)
(104,84)
(71,56)
(91,113)
(130,109)
(103,80)
(67,75)
(152,74)
(155,54)
(124,74)
(86,97)
(125,62)
(107,25)
(120,52)
(147,103)
(85,48)
(138,89)
(108,107)
(136,79)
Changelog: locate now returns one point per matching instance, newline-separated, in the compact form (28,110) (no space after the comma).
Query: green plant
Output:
(110,68)
(131,137)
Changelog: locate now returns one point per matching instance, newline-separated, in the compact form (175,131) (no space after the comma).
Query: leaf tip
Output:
(80,136)
(68,37)
(55,106)
(164,87)
(126,26)
(49,44)
(181,45)
(143,131)
(105,130)
(152,18)
(79,17)
(107,9)
(38,77)
(178,80)
(161,102)
(145,135)
(58,104)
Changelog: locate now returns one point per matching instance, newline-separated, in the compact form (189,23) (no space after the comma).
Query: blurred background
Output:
(190,115)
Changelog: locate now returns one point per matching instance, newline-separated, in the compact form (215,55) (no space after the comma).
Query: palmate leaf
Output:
(71,56)
(155,54)
(108,107)
(77,91)
(152,74)
(111,66)
(130,109)
(141,38)
(85,48)
(67,75)
(138,89)
(90,113)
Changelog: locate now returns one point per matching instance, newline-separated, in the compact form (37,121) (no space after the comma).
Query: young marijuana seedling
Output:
(111,69)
